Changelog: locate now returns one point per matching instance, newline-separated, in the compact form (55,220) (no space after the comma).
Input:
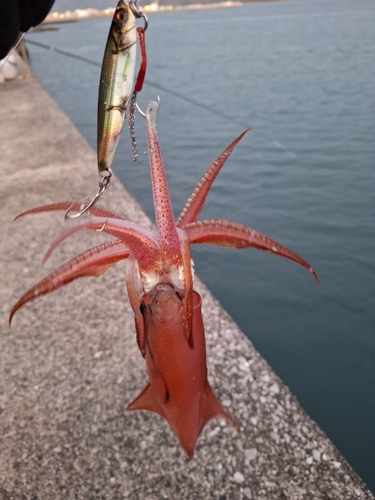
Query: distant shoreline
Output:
(79,14)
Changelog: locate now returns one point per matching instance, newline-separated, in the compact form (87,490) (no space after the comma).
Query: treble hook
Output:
(142,113)
(138,14)
(103,185)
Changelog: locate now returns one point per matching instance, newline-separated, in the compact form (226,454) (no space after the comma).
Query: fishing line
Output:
(181,96)
(63,52)
(147,82)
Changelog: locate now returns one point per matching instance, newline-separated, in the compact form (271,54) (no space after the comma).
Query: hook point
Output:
(103,185)
(140,111)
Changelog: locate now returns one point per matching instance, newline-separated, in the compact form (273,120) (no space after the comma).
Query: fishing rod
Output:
(167,90)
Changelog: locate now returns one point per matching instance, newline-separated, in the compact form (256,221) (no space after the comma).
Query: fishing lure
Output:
(168,316)
(116,91)
(116,82)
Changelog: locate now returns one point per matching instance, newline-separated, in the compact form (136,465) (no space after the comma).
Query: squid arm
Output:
(230,234)
(93,262)
(135,302)
(96,210)
(195,203)
(140,241)
(165,222)
(174,246)
(188,286)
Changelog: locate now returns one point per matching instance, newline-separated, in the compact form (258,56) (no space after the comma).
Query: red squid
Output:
(168,316)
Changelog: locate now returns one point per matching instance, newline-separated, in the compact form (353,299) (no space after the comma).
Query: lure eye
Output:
(121,15)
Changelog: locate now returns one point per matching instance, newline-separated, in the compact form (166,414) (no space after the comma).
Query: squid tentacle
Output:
(188,285)
(169,241)
(230,234)
(141,241)
(135,303)
(93,262)
(96,210)
(194,205)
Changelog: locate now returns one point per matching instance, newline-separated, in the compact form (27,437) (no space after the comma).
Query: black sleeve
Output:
(33,12)
(19,15)
(9,25)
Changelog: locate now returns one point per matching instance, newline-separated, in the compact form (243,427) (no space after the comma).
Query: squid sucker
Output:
(167,311)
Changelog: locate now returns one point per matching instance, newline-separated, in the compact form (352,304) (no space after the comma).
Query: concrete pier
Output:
(70,364)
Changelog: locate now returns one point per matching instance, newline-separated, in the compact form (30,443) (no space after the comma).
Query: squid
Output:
(159,281)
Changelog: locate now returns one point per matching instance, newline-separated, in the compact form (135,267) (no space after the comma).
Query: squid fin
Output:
(211,408)
(146,401)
